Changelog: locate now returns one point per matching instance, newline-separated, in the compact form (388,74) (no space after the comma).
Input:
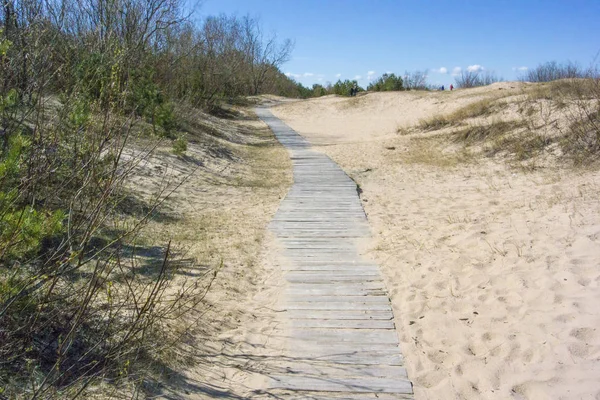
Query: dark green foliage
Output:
(318,90)
(22,227)
(385,83)
(342,88)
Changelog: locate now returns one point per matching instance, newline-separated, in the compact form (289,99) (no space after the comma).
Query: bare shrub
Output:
(416,80)
(552,71)
(470,79)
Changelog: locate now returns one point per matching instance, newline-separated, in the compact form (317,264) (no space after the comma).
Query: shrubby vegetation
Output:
(552,71)
(470,79)
(386,83)
(342,88)
(79,80)
(416,80)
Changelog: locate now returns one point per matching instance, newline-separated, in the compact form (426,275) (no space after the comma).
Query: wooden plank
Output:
(337,305)
(325,278)
(343,323)
(334,384)
(335,274)
(328,290)
(319,368)
(388,357)
(340,314)
(303,347)
(346,335)
(312,267)
(304,395)
(321,299)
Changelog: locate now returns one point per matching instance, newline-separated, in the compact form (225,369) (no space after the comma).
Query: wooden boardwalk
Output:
(340,337)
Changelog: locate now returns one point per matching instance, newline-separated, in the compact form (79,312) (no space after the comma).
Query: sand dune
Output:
(493,270)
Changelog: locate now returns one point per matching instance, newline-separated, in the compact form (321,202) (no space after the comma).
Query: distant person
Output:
(442,88)
(451,87)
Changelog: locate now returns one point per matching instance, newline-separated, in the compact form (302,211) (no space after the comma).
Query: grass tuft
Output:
(480,133)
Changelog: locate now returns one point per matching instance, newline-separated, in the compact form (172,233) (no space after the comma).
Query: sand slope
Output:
(493,271)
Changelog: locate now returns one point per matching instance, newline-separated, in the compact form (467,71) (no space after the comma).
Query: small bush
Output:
(179,146)
(164,117)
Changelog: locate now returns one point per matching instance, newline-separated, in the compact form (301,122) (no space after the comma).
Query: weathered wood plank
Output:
(339,314)
(359,385)
(341,323)
(337,305)
(325,278)
(323,299)
(320,368)
(305,395)
(346,335)
(309,267)
(388,357)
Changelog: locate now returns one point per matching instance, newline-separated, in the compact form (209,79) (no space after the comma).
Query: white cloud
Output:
(442,70)
(475,68)
(370,75)
(456,71)
(308,74)
(357,77)
(338,75)
(520,68)
(292,75)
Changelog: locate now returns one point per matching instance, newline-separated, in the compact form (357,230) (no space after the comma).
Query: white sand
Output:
(493,272)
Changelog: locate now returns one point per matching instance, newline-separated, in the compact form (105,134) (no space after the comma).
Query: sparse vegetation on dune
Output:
(558,118)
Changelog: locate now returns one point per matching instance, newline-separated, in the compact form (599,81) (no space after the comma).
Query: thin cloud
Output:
(456,71)
(357,77)
(338,75)
(308,74)
(520,68)
(370,75)
(442,70)
(292,75)
(475,68)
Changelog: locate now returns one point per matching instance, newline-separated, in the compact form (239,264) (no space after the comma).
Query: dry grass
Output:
(435,123)
(480,108)
(486,131)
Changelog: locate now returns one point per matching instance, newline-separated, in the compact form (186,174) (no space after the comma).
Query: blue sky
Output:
(364,38)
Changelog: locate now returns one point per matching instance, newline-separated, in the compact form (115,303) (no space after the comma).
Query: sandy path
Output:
(493,272)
